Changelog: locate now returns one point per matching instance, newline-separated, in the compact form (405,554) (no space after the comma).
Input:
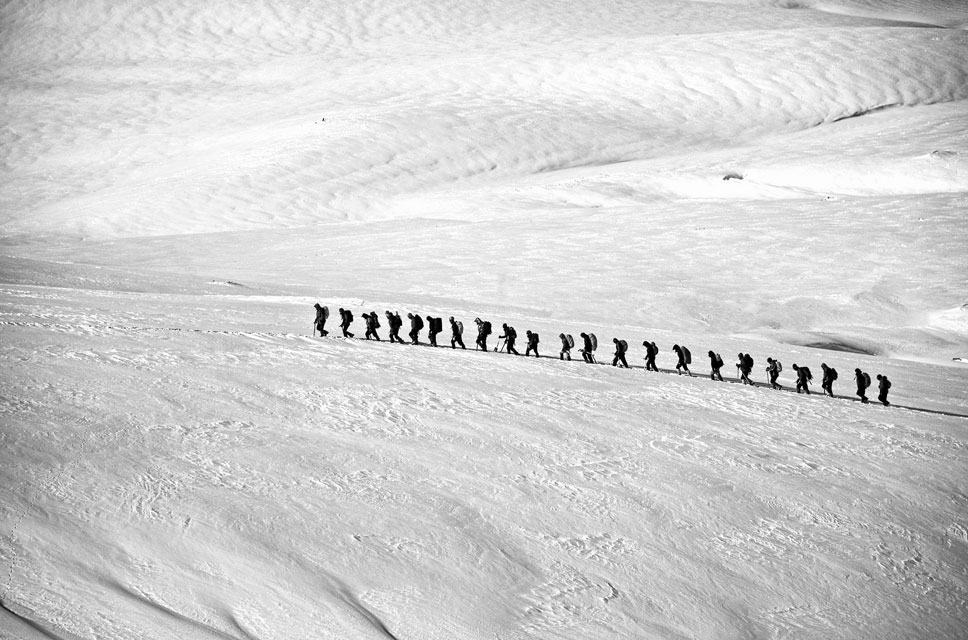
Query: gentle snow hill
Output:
(236,481)
(180,181)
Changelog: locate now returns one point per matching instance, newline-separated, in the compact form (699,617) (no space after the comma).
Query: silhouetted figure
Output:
(456,333)
(621,346)
(883,386)
(829,375)
(346,317)
(715,364)
(532,344)
(863,382)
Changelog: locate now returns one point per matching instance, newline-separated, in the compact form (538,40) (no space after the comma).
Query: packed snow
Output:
(183,458)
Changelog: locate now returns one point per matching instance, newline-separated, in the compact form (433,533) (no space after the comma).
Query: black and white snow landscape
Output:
(180,181)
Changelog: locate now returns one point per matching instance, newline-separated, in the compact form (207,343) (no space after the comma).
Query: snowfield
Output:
(180,182)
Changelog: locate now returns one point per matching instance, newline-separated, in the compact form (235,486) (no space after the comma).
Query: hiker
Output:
(416,324)
(883,386)
(684,358)
(393,319)
(715,364)
(532,344)
(803,379)
(773,369)
(321,314)
(435,327)
(483,330)
(829,375)
(372,324)
(651,351)
(621,346)
(456,333)
(745,366)
(567,342)
(863,381)
(346,319)
(587,348)
(510,335)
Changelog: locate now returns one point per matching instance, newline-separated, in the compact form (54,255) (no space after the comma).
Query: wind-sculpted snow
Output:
(224,480)
(175,119)
(181,181)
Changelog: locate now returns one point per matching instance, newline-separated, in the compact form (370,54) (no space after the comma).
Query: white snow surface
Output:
(181,181)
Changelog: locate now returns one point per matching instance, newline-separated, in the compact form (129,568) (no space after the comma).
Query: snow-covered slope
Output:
(180,182)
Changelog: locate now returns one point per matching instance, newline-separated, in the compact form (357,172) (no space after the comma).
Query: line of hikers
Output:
(744,364)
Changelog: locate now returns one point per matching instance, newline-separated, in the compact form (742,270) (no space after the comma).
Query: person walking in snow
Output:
(346,317)
(651,351)
(509,337)
(395,323)
(621,346)
(566,346)
(745,366)
(456,334)
(416,324)
(715,364)
(803,379)
(683,363)
(372,324)
(435,327)
(829,375)
(532,344)
(321,314)
(863,381)
(483,330)
(773,369)
(883,386)
(586,348)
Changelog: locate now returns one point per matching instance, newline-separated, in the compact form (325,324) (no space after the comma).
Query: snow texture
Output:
(181,458)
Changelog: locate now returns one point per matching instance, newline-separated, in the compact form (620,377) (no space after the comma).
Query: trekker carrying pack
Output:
(395,322)
(586,348)
(567,343)
(346,317)
(829,375)
(436,325)
(684,359)
(416,324)
(456,333)
(803,379)
(322,313)
(509,337)
(532,344)
(651,351)
(621,346)
(863,381)
(715,364)
(773,370)
(372,324)
(483,330)
(883,385)
(745,366)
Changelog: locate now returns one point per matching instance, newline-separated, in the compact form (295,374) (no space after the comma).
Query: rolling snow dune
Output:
(181,181)
(156,133)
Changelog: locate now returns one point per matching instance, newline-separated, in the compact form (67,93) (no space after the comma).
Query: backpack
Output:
(570,340)
(687,355)
(833,373)
(486,328)
(349,316)
(806,373)
(653,349)
(624,345)
(460,328)
(376,320)
(867,380)
(748,361)
(418,323)
(594,341)
(779,367)
(887,384)
(719,361)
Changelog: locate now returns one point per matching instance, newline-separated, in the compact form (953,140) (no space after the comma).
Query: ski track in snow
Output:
(179,182)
